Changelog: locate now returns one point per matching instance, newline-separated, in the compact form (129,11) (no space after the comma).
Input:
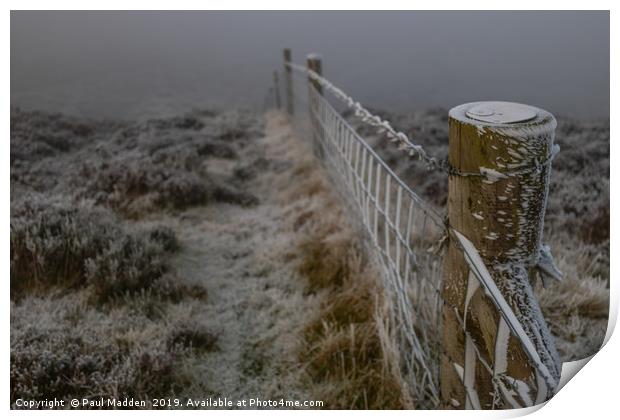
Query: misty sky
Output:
(128,64)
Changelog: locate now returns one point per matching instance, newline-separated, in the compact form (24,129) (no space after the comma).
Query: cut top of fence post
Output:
(501,112)
(498,114)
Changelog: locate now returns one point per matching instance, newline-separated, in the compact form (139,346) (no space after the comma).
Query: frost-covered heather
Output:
(132,167)
(576,221)
(55,245)
(66,348)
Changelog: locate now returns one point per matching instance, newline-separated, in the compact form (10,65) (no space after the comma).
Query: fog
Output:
(129,64)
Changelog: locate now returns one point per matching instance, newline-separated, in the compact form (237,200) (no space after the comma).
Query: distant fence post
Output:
(288,75)
(313,62)
(276,84)
(500,156)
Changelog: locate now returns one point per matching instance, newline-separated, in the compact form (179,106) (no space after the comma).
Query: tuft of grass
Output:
(344,351)
(596,229)
(325,263)
(577,310)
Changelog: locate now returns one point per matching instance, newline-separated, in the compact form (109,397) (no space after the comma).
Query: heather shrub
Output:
(126,266)
(232,195)
(133,168)
(166,237)
(55,354)
(77,246)
(183,190)
(36,135)
(61,364)
(216,148)
(194,336)
(134,189)
(184,122)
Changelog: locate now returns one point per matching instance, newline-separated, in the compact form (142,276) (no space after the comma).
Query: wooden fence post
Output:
(288,74)
(313,62)
(276,85)
(500,155)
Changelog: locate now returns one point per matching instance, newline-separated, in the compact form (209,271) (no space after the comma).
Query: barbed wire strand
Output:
(403,141)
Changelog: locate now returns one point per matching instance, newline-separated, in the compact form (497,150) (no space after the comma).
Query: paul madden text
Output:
(129,403)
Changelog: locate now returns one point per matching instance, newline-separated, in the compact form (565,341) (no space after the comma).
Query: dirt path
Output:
(255,296)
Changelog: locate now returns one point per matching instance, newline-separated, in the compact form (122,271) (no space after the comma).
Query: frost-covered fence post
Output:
(276,86)
(313,63)
(500,156)
(288,75)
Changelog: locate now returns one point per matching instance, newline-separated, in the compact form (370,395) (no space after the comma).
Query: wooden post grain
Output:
(500,154)
(276,86)
(288,75)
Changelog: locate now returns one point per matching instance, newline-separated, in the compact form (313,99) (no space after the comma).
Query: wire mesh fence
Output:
(401,228)
(404,234)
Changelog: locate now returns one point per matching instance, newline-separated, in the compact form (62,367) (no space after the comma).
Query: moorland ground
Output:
(208,255)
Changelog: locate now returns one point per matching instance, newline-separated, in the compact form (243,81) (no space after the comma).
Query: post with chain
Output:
(288,76)
(500,156)
(315,91)
(276,87)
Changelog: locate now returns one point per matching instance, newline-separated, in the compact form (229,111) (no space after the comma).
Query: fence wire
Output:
(403,232)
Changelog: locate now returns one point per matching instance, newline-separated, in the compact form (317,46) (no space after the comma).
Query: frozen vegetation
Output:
(193,257)
(97,307)
(208,255)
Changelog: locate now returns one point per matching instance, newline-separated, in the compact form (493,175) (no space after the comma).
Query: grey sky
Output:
(135,63)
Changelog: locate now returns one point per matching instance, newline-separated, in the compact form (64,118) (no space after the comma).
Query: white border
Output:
(592,395)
